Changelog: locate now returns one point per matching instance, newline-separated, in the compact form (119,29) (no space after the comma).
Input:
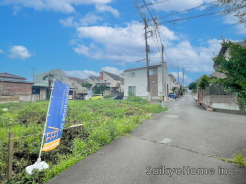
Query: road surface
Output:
(186,139)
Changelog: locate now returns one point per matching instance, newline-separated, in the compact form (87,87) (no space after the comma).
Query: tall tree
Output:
(192,86)
(234,68)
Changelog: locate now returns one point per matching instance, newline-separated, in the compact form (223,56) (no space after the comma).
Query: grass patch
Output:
(239,159)
(104,121)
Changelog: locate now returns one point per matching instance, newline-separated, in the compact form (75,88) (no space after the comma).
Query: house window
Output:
(131,90)
(131,74)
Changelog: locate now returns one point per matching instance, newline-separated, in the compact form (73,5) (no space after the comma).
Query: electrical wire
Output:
(186,10)
(175,20)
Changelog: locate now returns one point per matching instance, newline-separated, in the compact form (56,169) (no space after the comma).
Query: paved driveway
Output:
(187,139)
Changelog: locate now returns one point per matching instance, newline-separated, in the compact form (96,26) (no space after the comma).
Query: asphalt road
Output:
(198,139)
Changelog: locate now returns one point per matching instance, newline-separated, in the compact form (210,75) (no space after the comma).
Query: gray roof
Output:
(113,76)
(14,80)
(94,77)
(218,75)
(11,76)
(77,79)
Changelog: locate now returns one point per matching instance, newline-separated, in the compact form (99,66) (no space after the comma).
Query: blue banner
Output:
(56,116)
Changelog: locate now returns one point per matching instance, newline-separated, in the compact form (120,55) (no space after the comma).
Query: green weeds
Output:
(103,120)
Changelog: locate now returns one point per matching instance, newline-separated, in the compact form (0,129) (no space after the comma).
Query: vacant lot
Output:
(103,121)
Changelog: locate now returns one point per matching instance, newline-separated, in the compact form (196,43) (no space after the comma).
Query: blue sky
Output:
(83,37)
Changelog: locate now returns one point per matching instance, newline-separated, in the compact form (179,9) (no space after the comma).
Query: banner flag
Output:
(56,116)
(89,94)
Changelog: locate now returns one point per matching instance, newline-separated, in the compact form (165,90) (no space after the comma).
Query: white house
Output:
(135,81)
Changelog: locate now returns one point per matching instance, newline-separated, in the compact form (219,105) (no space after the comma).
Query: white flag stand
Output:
(41,165)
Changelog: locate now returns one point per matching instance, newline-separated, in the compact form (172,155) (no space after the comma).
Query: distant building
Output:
(41,84)
(92,80)
(215,96)
(135,81)
(112,81)
(171,83)
(14,88)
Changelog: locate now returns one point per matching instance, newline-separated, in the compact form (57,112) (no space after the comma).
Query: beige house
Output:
(112,81)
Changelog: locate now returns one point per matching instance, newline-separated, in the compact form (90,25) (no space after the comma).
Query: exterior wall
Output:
(226,102)
(140,81)
(15,89)
(21,90)
(113,83)
(41,96)
(76,85)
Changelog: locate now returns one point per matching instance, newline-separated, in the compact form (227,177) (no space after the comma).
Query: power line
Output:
(186,10)
(153,3)
(192,17)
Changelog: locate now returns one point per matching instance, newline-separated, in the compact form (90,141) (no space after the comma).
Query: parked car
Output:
(119,97)
(172,96)
(96,97)
(79,97)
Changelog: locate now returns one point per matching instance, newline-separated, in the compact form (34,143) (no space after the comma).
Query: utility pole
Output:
(163,79)
(183,76)
(33,73)
(178,71)
(147,57)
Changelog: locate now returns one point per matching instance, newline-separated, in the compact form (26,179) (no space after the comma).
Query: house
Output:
(215,96)
(14,88)
(42,82)
(92,80)
(112,81)
(171,83)
(135,81)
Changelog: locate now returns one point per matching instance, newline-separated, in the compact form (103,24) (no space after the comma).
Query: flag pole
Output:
(41,165)
(45,125)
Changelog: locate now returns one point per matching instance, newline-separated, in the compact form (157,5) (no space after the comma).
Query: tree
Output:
(86,85)
(237,7)
(99,89)
(192,86)
(204,82)
(234,68)
(174,89)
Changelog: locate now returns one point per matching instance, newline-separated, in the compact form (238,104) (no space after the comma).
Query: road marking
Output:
(165,141)
(172,116)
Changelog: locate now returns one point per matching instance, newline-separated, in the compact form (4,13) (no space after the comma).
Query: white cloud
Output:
(126,44)
(112,70)
(81,73)
(19,52)
(64,6)
(86,73)
(106,8)
(1,51)
(121,44)
(88,19)
(239,28)
(178,5)
(193,59)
